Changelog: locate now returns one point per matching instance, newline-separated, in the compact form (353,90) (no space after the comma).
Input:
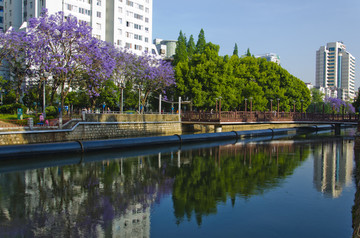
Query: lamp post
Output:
(139,88)
(1,94)
(122,86)
(220,104)
(294,106)
(46,75)
(302,109)
(246,104)
(278,108)
(271,105)
(251,98)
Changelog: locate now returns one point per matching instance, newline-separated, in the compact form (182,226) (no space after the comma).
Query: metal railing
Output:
(241,116)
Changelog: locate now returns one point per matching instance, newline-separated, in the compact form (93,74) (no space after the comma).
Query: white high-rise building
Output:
(125,23)
(335,69)
(271,57)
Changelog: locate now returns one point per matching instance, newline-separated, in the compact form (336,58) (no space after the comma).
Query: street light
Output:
(218,98)
(2,92)
(46,75)
(216,104)
(246,104)
(278,109)
(251,98)
(271,105)
(122,86)
(294,105)
(139,88)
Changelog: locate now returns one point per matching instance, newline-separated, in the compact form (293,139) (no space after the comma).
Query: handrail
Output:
(255,116)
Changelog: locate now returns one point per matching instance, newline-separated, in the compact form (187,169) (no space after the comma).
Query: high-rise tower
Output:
(335,70)
(125,23)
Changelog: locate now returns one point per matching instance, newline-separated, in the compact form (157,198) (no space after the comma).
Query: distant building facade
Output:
(271,57)
(165,48)
(335,70)
(125,23)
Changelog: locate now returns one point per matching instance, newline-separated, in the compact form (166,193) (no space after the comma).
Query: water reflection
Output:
(333,166)
(212,175)
(113,195)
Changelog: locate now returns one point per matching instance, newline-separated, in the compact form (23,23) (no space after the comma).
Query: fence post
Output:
(31,123)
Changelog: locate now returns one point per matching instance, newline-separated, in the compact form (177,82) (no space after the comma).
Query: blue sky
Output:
(293,29)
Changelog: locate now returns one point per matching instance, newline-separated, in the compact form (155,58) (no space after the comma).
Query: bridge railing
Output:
(241,116)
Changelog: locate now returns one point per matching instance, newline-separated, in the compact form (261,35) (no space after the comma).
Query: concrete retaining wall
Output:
(99,126)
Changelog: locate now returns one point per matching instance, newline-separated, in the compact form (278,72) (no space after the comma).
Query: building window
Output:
(98,26)
(98,2)
(98,14)
(119,32)
(137,26)
(128,45)
(146,39)
(146,19)
(31,4)
(120,20)
(138,16)
(119,42)
(120,9)
(129,3)
(147,10)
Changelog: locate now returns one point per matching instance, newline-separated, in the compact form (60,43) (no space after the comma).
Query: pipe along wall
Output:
(15,151)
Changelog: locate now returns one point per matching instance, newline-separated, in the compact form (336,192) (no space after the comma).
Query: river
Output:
(289,186)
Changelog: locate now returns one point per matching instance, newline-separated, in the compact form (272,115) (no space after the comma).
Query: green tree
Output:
(180,51)
(110,95)
(236,51)
(356,102)
(191,47)
(201,42)
(317,101)
(248,53)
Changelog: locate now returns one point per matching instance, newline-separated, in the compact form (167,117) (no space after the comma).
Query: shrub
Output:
(12,108)
(51,112)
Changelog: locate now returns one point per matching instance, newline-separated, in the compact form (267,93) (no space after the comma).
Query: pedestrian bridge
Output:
(219,119)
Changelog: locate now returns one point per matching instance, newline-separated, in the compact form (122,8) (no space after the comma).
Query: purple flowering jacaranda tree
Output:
(152,75)
(18,51)
(68,51)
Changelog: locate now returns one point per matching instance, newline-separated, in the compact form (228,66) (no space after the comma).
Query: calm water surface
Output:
(287,187)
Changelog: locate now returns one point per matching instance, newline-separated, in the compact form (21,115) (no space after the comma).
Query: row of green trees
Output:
(203,76)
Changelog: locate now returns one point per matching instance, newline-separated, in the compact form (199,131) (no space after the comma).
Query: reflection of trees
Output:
(356,207)
(78,201)
(244,171)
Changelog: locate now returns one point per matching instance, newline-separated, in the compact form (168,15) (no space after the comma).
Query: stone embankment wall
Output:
(99,126)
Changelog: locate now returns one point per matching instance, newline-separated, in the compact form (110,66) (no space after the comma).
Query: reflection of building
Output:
(333,166)
(134,223)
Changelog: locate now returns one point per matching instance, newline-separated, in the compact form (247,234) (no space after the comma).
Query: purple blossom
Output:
(338,105)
